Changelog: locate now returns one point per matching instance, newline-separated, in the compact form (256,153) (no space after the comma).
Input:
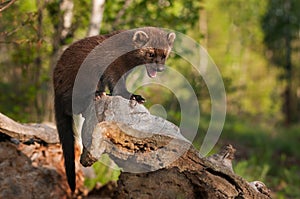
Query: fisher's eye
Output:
(163,56)
(150,54)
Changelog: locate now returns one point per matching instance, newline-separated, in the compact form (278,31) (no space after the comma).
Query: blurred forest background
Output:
(254,43)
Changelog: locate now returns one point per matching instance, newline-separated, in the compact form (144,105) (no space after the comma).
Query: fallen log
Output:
(156,160)
(25,132)
(31,162)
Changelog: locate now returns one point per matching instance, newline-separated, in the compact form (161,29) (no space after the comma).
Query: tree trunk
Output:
(288,102)
(204,39)
(64,30)
(38,102)
(96,17)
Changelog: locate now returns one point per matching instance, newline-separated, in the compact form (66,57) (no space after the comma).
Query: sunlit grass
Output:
(105,171)
(268,154)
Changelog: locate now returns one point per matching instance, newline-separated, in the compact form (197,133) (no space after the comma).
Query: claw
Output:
(99,95)
(139,99)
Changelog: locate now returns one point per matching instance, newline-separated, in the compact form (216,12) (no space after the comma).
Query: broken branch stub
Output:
(136,140)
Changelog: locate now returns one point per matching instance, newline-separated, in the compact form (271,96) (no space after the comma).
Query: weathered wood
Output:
(24,132)
(26,173)
(31,162)
(158,161)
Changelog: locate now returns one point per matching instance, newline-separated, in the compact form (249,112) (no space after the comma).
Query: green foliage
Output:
(53,11)
(236,46)
(281,20)
(267,154)
(19,85)
(264,153)
(81,18)
(252,170)
(27,6)
(177,15)
(281,27)
(245,17)
(244,38)
(103,173)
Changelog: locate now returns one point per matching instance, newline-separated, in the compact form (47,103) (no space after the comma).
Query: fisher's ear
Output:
(171,37)
(140,38)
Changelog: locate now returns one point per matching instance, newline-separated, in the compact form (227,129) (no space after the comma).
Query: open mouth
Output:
(151,71)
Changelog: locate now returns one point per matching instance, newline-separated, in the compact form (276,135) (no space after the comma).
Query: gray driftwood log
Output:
(157,161)
(25,132)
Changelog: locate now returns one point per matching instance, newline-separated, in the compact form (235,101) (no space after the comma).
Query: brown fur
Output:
(67,68)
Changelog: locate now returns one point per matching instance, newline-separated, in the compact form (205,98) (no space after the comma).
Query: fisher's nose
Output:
(160,67)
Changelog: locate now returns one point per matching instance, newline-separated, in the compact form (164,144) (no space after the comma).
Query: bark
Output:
(38,101)
(290,105)
(96,17)
(157,161)
(66,8)
(289,109)
(203,29)
(25,132)
(31,162)
(64,31)
(21,178)
(6,4)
